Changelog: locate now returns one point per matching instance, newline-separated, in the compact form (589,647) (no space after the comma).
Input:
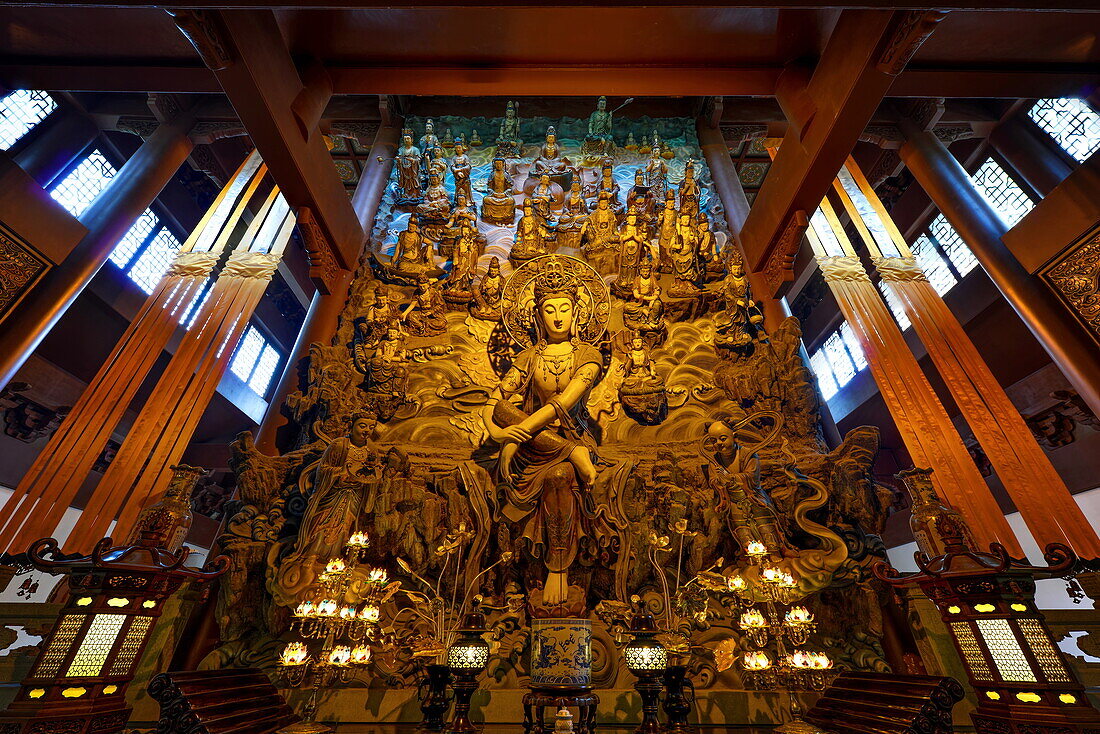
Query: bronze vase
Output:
(434,699)
(679,697)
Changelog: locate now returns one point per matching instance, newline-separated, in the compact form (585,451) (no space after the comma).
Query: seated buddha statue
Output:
(531,236)
(426,315)
(412,257)
(488,294)
(601,230)
(571,218)
(684,257)
(543,197)
(498,206)
(644,309)
(598,141)
(609,187)
(436,206)
(550,160)
(464,213)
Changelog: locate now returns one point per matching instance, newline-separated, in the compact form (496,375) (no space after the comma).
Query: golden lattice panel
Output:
(1008,656)
(96,645)
(130,645)
(1049,659)
(59,646)
(971,652)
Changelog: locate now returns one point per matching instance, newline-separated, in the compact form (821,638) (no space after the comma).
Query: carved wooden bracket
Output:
(779,268)
(323,267)
(912,29)
(203,28)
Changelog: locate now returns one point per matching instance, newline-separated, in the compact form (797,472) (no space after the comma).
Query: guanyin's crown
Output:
(553,282)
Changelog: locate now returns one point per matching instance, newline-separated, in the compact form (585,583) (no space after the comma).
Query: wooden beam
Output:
(136,76)
(246,52)
(866,51)
(985,5)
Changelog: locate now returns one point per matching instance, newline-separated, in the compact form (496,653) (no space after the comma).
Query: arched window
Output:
(1073,124)
(20,111)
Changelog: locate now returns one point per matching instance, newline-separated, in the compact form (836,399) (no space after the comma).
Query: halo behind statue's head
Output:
(555,276)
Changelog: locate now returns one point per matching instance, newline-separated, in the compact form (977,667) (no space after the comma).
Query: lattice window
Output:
(838,360)
(826,382)
(935,267)
(131,643)
(1073,124)
(83,184)
(972,653)
(50,662)
(244,360)
(1049,660)
(156,258)
(1007,654)
(855,350)
(96,645)
(20,111)
(132,241)
(1003,193)
(952,245)
(895,306)
(265,370)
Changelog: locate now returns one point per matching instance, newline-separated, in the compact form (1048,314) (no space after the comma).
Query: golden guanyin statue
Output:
(531,235)
(437,205)
(498,206)
(346,470)
(487,295)
(571,218)
(684,257)
(545,463)
(461,167)
(734,472)
(408,172)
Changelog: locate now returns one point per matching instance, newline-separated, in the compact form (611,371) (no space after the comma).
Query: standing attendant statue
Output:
(461,167)
(408,172)
(428,143)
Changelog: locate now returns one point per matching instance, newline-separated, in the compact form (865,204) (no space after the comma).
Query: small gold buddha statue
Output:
(461,167)
(550,160)
(601,230)
(436,206)
(488,294)
(531,236)
(412,257)
(498,206)
(684,257)
(573,215)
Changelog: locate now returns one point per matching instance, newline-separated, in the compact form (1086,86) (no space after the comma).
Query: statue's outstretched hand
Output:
(516,434)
